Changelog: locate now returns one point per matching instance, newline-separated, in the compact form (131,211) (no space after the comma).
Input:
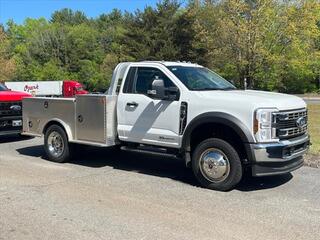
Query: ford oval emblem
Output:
(301,122)
(15,108)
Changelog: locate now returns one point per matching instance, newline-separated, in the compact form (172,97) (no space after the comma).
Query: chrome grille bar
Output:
(287,123)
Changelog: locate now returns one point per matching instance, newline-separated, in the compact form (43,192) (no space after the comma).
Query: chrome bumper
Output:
(278,158)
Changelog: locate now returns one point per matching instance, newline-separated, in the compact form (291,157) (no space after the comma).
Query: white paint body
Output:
(153,119)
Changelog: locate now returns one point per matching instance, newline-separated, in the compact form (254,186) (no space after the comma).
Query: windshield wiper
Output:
(229,88)
(213,89)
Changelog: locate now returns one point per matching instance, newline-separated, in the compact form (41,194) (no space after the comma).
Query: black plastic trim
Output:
(9,132)
(218,117)
(18,117)
(183,117)
(221,118)
(276,168)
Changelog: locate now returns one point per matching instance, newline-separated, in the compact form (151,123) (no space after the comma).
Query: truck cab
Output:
(72,88)
(10,110)
(184,110)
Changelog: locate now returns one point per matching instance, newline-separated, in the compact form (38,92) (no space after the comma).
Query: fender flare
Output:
(216,117)
(62,123)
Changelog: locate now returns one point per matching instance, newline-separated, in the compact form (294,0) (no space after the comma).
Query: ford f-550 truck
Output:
(179,109)
(10,110)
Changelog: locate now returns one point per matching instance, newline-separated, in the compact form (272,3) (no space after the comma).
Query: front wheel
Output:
(56,144)
(216,165)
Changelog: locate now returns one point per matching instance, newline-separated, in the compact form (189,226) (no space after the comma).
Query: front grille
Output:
(290,124)
(7,110)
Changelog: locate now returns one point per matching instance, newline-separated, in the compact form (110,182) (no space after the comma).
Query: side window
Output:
(118,85)
(144,78)
(127,88)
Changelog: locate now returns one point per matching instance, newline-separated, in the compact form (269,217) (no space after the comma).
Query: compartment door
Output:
(91,116)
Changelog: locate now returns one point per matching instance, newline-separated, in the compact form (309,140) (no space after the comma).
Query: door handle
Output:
(132,104)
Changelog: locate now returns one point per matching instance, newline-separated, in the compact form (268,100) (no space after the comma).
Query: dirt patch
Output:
(312,160)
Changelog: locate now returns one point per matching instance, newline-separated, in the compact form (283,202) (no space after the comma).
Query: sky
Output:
(18,10)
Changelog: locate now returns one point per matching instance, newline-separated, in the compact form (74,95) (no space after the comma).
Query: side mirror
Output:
(172,93)
(158,89)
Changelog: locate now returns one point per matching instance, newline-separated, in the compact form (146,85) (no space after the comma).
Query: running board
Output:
(152,152)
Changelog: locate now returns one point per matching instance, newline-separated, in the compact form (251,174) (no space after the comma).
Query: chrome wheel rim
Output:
(55,144)
(214,165)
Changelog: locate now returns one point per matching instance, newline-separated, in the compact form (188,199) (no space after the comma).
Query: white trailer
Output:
(38,88)
(67,88)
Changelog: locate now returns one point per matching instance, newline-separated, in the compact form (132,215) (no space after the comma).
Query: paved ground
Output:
(311,100)
(126,196)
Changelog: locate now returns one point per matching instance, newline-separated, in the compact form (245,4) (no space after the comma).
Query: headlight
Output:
(262,126)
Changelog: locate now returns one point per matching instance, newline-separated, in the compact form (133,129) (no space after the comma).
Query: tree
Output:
(302,58)
(262,41)
(68,17)
(273,44)
(151,32)
(7,63)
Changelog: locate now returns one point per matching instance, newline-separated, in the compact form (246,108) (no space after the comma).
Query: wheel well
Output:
(49,124)
(221,131)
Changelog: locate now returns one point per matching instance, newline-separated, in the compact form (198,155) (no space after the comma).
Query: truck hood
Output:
(256,99)
(11,96)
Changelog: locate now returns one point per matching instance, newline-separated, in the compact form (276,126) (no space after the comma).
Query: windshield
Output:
(199,78)
(3,87)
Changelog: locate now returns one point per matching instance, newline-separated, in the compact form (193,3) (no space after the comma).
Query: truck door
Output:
(67,89)
(143,119)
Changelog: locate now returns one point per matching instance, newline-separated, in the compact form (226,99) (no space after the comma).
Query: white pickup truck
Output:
(180,109)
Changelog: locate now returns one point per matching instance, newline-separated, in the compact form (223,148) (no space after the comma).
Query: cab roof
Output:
(178,63)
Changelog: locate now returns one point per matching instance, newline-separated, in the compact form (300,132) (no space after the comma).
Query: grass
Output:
(313,157)
(314,127)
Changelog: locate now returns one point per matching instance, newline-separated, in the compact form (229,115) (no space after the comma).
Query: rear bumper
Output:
(278,158)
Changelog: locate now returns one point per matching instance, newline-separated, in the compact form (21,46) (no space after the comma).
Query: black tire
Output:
(65,154)
(232,176)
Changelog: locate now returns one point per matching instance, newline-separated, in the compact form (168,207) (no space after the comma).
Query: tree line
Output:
(270,44)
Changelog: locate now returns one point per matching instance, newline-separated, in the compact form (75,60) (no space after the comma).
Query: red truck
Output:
(66,88)
(11,110)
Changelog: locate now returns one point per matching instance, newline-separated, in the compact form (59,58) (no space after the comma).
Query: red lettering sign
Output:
(28,88)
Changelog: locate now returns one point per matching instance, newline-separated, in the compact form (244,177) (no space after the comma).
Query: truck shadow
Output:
(13,138)
(151,165)
(249,183)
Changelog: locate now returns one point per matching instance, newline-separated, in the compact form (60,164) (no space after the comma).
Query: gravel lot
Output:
(110,195)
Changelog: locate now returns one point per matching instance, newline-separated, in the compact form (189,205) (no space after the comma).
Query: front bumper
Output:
(6,126)
(278,158)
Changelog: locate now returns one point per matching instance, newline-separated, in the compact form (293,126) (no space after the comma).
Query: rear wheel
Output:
(216,164)
(56,144)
